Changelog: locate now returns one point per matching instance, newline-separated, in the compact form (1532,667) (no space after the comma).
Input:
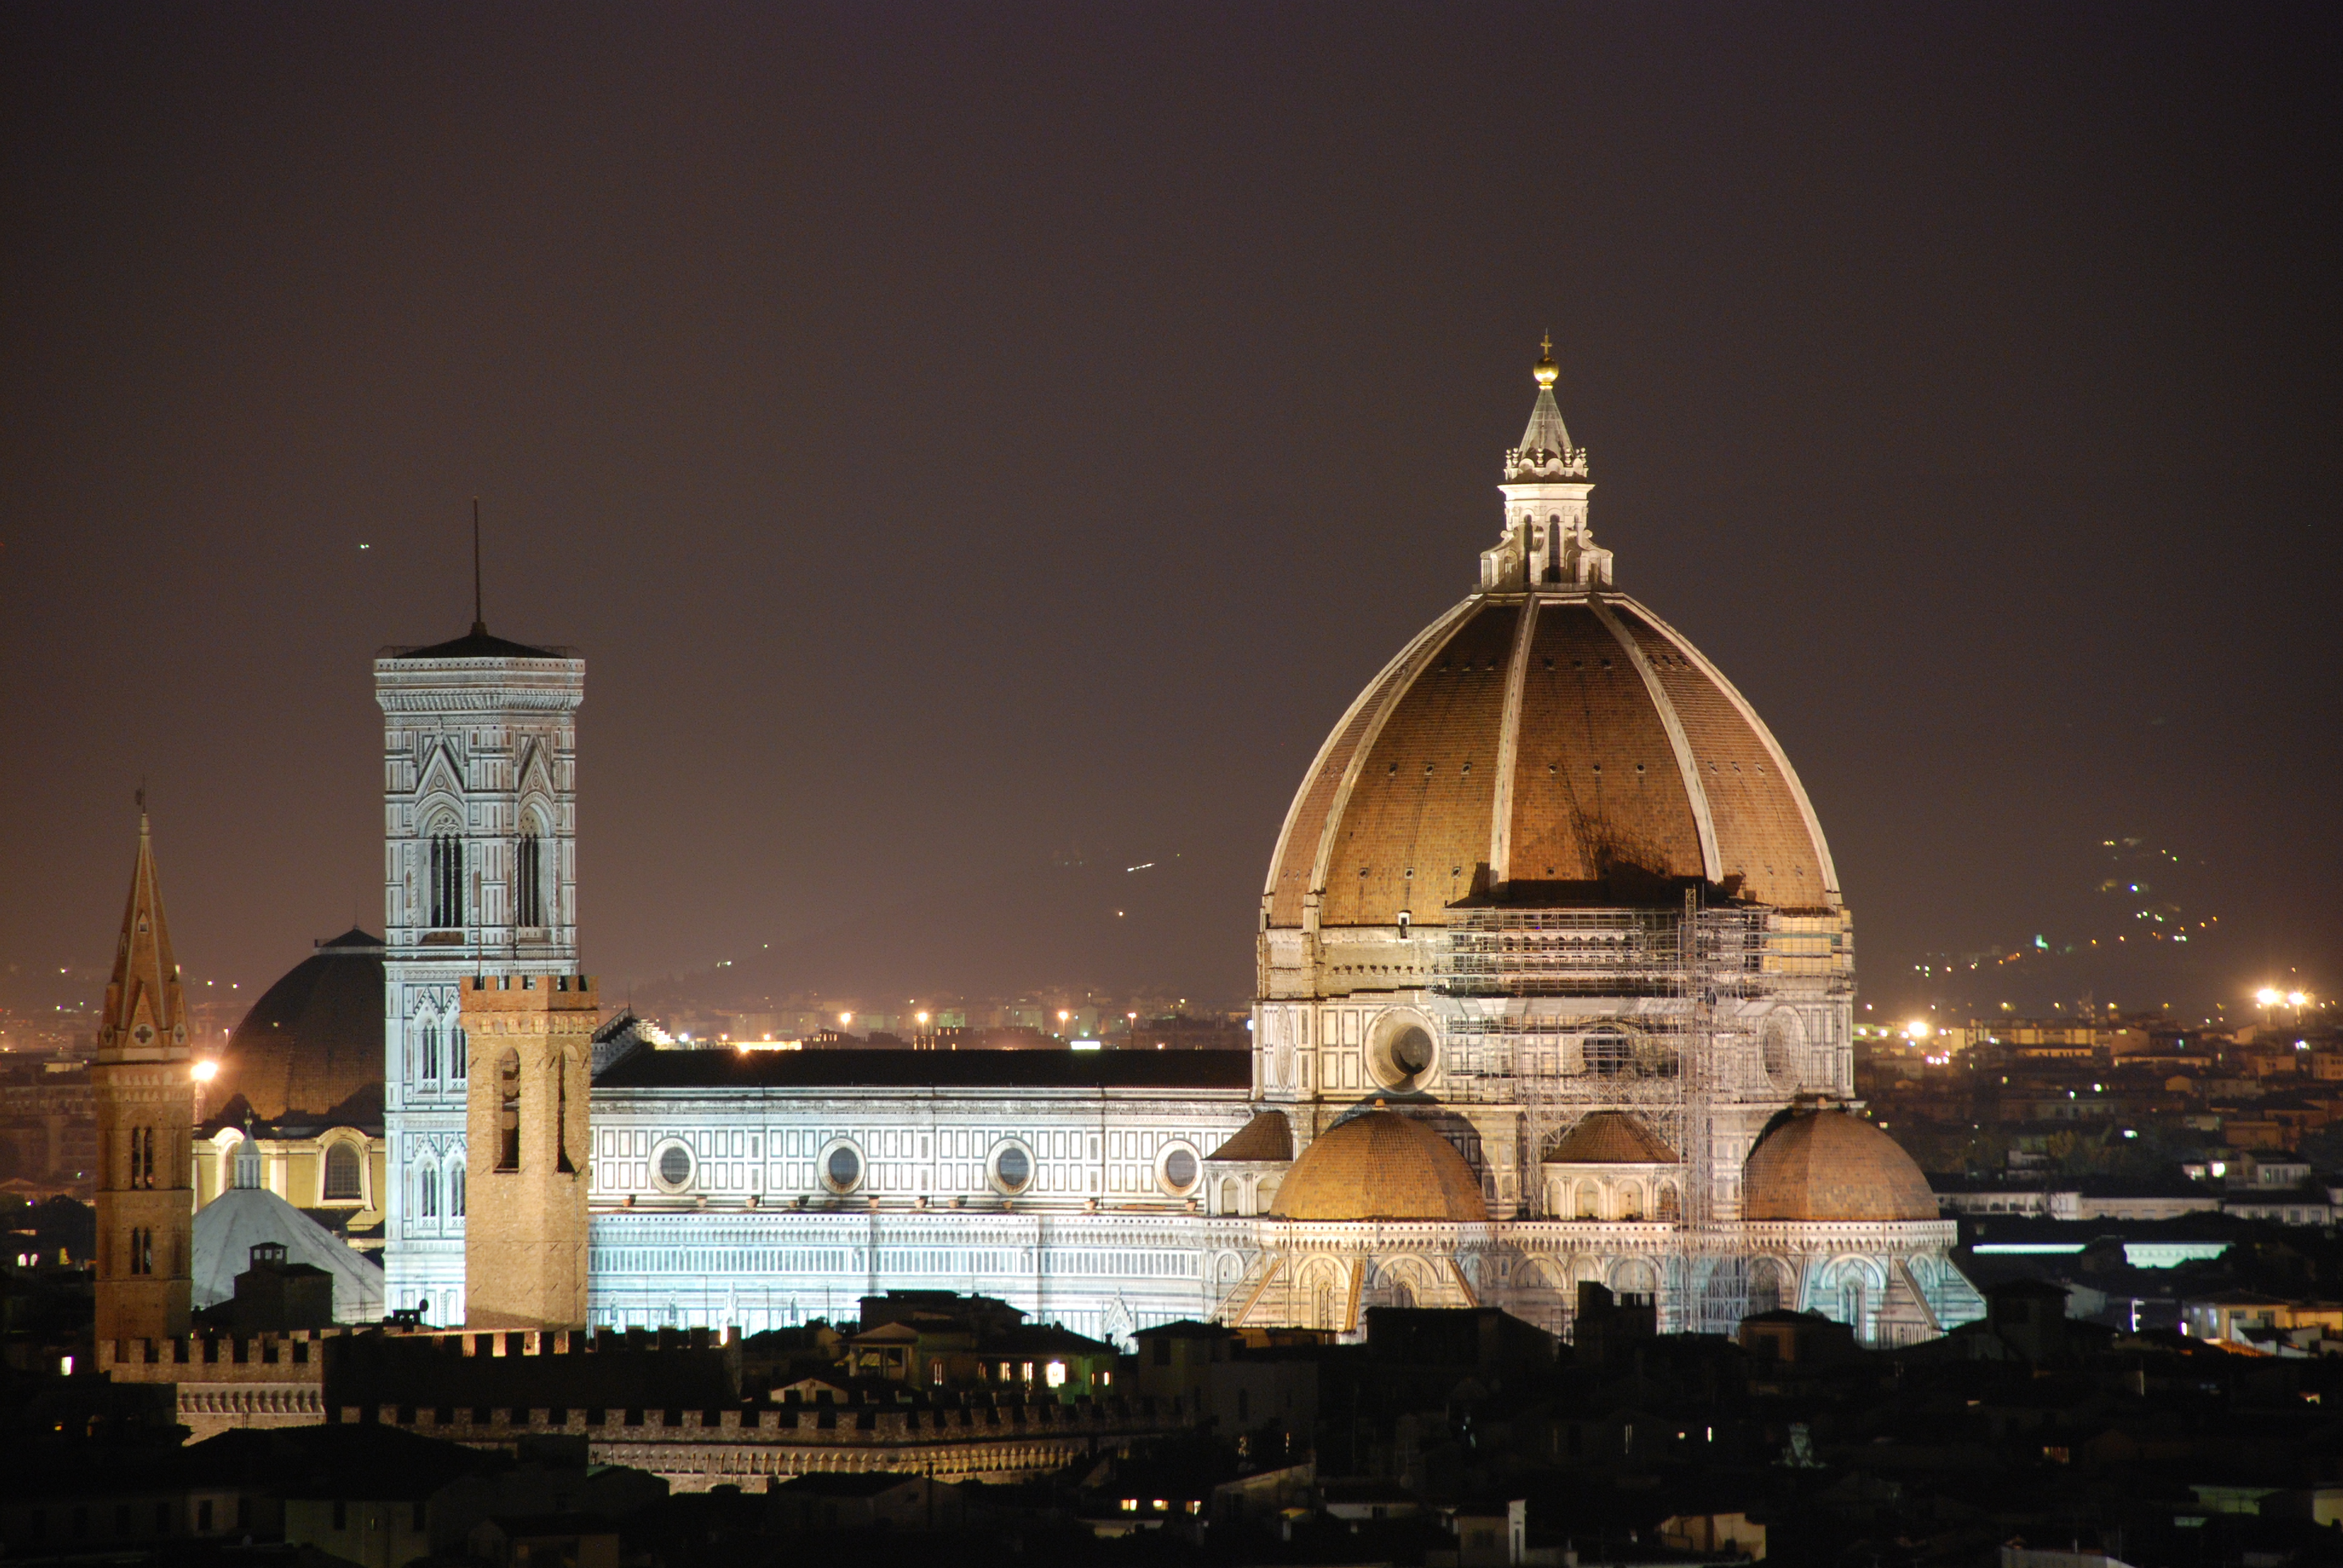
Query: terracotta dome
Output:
(1593,757)
(1611,1137)
(1832,1165)
(314,1038)
(1380,1166)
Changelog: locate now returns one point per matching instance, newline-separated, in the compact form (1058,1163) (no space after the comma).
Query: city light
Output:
(1917,1028)
(845,1018)
(204,1071)
(2267,995)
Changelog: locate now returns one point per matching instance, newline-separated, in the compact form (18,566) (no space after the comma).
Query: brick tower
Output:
(525,1160)
(146,1114)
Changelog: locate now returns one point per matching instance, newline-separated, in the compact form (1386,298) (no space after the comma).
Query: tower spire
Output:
(1545,543)
(479,621)
(1545,452)
(146,1119)
(143,1008)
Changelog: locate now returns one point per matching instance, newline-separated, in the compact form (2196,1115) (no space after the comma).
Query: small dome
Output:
(1611,1137)
(1380,1166)
(314,1038)
(1832,1165)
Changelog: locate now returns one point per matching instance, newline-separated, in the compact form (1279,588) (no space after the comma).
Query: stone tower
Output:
(480,875)
(145,1114)
(531,1042)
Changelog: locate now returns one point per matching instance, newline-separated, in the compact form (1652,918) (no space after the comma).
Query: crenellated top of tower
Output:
(1545,452)
(144,1016)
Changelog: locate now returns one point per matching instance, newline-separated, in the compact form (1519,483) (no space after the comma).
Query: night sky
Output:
(981,450)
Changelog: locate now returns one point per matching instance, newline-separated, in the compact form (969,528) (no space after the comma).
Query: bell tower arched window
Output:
(561,1113)
(528,879)
(447,880)
(508,1112)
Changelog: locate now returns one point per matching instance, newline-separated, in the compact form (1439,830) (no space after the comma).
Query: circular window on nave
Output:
(1012,1169)
(672,1166)
(1400,1050)
(841,1166)
(1177,1169)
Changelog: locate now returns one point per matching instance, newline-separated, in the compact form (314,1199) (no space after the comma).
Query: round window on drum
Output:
(1401,1051)
(1012,1169)
(1177,1170)
(672,1166)
(841,1167)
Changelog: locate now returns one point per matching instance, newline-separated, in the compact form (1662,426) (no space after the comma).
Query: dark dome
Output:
(314,1038)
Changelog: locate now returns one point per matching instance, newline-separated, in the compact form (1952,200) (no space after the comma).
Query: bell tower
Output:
(480,876)
(531,1041)
(145,1117)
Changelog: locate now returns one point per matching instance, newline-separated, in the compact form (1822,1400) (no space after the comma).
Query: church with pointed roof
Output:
(1554,989)
(145,1111)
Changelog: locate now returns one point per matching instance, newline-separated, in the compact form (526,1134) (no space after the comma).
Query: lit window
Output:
(1131,1505)
(1055,1374)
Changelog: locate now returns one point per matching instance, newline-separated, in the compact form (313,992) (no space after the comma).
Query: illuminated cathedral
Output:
(1554,986)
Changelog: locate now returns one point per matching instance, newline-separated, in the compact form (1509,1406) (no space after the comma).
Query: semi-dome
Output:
(1832,1165)
(314,1038)
(1547,741)
(1611,1137)
(1381,1165)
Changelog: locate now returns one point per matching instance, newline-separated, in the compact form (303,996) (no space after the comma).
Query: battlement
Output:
(524,993)
(293,1356)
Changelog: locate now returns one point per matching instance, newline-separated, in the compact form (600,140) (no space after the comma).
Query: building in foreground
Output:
(1556,988)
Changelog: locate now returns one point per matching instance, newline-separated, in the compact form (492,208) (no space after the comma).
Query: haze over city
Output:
(978,453)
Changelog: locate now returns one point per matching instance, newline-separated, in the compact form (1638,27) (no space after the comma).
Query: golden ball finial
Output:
(1546,370)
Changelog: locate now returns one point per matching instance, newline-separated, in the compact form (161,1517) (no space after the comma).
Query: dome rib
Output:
(1695,794)
(1555,747)
(1326,787)
(1423,788)
(1509,746)
(1815,842)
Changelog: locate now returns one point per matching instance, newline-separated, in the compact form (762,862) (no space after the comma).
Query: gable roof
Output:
(1268,1136)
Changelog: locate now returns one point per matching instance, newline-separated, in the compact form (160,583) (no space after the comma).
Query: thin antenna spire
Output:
(479,622)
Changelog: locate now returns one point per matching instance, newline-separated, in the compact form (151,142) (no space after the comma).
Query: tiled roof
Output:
(1636,769)
(1611,1137)
(1380,1166)
(478,644)
(1268,1136)
(724,1068)
(1832,1165)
